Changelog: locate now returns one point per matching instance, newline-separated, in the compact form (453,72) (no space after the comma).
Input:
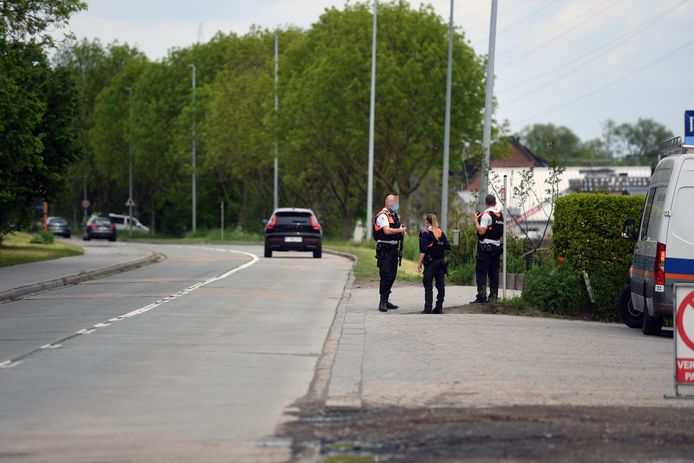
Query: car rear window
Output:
(58,221)
(285,218)
(102,221)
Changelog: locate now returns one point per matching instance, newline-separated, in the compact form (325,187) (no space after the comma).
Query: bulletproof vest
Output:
(393,222)
(496,230)
(437,248)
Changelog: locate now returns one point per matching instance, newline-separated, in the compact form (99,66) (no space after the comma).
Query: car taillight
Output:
(314,223)
(113,226)
(660,264)
(271,224)
(92,225)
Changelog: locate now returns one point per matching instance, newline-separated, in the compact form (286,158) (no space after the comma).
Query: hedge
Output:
(587,233)
(587,229)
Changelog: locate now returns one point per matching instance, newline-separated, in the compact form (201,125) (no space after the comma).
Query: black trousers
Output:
(387,257)
(488,256)
(434,270)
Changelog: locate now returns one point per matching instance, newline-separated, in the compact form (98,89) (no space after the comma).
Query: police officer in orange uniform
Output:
(433,245)
(388,233)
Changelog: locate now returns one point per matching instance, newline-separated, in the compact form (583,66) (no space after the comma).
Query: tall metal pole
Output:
(447,127)
(130,165)
(276,201)
(488,98)
(370,188)
(505,204)
(195,221)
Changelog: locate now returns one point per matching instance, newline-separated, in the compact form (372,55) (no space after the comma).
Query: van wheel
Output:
(629,315)
(651,325)
(268,252)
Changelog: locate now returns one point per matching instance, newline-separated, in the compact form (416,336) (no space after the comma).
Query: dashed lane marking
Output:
(16,361)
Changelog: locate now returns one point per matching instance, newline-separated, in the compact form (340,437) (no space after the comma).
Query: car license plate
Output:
(292,239)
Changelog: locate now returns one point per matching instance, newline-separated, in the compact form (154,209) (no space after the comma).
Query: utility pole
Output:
(276,201)
(488,98)
(370,187)
(447,127)
(195,221)
(130,202)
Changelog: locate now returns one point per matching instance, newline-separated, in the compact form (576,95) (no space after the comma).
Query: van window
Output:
(654,209)
(646,214)
(118,220)
(682,223)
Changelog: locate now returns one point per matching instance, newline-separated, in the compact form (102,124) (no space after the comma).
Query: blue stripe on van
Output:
(681,266)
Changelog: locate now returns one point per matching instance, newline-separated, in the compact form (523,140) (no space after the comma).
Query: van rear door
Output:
(679,262)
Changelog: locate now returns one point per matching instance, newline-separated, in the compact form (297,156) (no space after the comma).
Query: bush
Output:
(587,229)
(556,287)
(44,237)
(587,232)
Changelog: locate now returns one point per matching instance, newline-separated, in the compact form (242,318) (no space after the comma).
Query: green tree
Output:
(29,19)
(640,142)
(324,106)
(566,143)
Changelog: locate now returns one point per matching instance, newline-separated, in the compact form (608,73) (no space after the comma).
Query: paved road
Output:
(102,371)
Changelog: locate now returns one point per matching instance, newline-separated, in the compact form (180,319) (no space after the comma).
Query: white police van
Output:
(664,251)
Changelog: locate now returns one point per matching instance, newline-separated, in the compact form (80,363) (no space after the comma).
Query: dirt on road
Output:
(521,433)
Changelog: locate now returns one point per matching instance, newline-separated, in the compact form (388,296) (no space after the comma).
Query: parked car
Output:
(664,251)
(293,229)
(59,226)
(122,222)
(100,227)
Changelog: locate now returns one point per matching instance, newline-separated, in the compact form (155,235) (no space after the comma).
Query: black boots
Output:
(439,308)
(390,306)
(383,305)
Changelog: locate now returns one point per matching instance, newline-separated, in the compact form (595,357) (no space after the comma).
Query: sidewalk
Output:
(99,259)
(403,358)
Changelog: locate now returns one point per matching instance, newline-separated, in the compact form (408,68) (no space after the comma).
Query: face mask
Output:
(396,206)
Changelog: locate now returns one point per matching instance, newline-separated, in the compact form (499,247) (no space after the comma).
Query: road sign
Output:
(85,204)
(689,127)
(130,203)
(684,336)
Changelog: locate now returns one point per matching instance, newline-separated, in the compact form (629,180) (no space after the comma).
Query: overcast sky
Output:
(568,62)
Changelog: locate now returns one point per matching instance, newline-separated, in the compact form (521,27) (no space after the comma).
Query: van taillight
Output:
(315,224)
(660,264)
(271,224)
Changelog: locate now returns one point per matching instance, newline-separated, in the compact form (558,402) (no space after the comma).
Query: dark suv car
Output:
(100,227)
(292,229)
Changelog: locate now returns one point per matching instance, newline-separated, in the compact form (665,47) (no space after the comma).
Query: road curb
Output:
(27,290)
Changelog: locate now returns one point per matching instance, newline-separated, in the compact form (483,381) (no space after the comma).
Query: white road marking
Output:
(147,308)
(9,364)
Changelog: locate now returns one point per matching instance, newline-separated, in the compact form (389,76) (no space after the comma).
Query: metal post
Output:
(195,221)
(221,213)
(505,204)
(487,134)
(447,127)
(84,198)
(370,188)
(276,201)
(130,164)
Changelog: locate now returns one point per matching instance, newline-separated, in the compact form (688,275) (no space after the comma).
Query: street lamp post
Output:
(447,127)
(488,98)
(276,173)
(370,187)
(192,66)
(130,202)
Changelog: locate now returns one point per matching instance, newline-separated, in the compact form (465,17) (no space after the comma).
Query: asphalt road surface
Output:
(195,358)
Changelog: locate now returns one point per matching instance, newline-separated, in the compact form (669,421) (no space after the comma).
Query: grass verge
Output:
(366,269)
(17,249)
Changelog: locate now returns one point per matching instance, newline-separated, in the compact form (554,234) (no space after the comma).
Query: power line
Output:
(601,50)
(587,15)
(605,87)
(563,33)
(507,11)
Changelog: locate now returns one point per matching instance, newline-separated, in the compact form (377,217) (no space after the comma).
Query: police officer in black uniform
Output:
(432,250)
(490,230)
(388,233)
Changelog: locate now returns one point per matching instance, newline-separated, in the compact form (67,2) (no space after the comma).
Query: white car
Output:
(122,222)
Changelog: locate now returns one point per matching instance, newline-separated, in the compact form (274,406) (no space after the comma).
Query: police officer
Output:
(490,230)
(432,249)
(388,233)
